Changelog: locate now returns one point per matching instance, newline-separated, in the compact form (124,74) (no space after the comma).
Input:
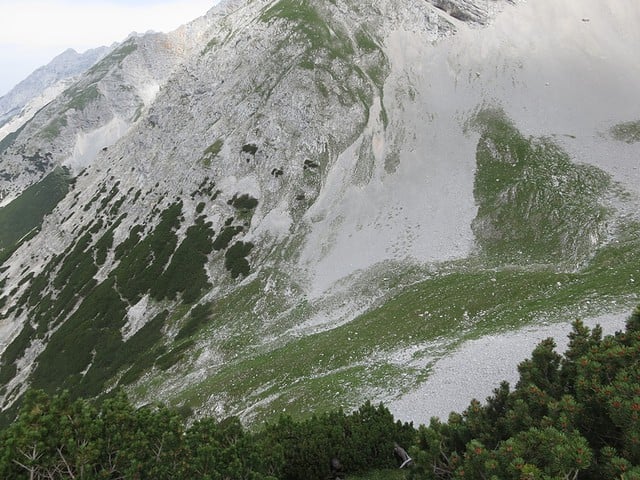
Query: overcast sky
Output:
(32,32)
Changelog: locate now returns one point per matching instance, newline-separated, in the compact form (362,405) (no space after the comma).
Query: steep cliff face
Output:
(297,204)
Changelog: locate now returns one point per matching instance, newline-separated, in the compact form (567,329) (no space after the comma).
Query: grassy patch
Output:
(628,132)
(52,129)
(234,315)
(445,310)
(309,23)
(212,152)
(534,204)
(328,48)
(390,347)
(28,210)
(365,42)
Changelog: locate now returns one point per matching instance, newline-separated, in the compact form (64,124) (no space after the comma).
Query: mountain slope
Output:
(43,85)
(302,203)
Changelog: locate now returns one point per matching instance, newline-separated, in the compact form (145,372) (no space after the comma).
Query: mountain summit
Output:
(298,204)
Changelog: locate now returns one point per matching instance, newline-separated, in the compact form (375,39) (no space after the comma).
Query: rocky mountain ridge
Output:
(63,68)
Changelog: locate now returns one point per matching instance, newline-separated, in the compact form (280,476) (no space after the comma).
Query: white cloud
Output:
(89,24)
(32,32)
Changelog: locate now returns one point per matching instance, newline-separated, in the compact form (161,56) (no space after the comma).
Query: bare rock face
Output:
(468,10)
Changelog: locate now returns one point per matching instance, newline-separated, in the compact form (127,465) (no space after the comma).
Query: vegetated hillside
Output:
(309,202)
(569,416)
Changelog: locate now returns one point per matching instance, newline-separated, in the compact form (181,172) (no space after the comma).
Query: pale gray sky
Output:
(32,32)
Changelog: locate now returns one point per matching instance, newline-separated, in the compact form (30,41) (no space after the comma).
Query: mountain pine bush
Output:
(570,416)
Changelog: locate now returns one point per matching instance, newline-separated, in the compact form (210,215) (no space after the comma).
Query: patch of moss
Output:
(243,202)
(534,203)
(628,132)
(225,236)
(212,152)
(198,317)
(186,274)
(250,148)
(28,210)
(235,259)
